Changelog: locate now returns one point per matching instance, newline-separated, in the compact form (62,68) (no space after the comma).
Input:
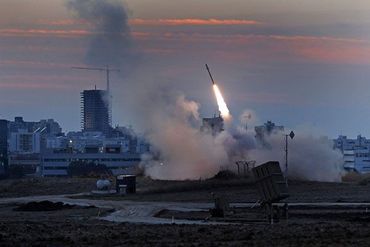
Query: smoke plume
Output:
(309,158)
(179,150)
(112,42)
(184,152)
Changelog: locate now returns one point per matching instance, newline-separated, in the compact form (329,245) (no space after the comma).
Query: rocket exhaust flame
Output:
(222,107)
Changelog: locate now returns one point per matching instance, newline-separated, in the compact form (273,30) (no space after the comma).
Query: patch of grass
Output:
(182,186)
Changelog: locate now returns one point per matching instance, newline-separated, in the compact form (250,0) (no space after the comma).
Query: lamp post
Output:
(291,135)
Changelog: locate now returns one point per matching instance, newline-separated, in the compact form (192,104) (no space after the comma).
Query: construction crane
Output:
(106,69)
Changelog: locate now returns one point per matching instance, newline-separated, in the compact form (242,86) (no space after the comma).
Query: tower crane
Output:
(107,71)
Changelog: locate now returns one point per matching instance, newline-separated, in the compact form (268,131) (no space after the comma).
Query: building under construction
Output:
(95,114)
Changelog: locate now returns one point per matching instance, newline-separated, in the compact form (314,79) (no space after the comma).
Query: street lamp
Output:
(291,135)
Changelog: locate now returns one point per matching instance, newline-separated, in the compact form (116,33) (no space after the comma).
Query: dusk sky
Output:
(295,62)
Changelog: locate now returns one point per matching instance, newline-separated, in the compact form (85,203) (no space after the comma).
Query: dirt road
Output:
(321,214)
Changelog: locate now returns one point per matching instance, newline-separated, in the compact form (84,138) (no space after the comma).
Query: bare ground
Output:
(307,226)
(241,190)
(64,231)
(45,186)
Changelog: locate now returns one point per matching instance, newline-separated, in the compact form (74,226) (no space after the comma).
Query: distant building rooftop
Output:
(213,125)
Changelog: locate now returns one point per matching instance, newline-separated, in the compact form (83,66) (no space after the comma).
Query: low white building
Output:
(356,153)
(24,142)
(56,164)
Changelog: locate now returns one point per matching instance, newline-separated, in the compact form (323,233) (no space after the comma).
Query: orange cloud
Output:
(232,47)
(191,22)
(37,64)
(326,49)
(241,38)
(62,22)
(31,85)
(156,22)
(239,47)
(336,53)
(45,82)
(42,32)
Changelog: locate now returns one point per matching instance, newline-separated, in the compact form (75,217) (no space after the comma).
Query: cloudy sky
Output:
(295,62)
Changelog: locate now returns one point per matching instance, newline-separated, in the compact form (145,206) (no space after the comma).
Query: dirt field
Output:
(44,186)
(242,190)
(77,228)
(307,226)
(236,190)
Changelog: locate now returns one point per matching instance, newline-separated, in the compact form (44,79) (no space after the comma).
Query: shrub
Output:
(225,174)
(84,169)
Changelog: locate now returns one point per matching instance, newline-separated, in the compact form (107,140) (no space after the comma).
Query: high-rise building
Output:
(95,111)
(3,145)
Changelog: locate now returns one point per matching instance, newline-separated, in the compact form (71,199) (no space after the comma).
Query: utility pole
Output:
(291,135)
(286,156)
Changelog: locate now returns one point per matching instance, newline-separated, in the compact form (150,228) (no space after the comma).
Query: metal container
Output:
(270,181)
(127,181)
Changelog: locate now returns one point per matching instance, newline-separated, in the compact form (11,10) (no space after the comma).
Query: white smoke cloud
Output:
(185,152)
(309,157)
(172,122)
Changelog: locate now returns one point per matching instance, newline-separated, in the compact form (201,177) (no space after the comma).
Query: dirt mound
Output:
(43,206)
(225,174)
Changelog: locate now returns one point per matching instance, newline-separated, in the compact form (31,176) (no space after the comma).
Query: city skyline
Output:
(295,63)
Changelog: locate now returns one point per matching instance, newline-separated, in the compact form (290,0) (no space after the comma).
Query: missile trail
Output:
(222,107)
